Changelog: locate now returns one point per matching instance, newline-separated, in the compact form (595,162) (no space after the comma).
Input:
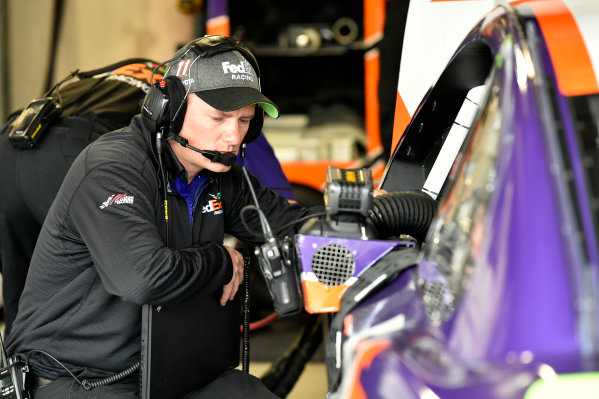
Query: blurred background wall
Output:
(319,62)
(92,34)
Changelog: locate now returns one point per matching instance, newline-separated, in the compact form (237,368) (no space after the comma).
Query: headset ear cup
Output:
(255,125)
(178,105)
(153,107)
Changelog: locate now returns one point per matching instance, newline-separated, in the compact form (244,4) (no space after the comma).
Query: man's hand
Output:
(230,289)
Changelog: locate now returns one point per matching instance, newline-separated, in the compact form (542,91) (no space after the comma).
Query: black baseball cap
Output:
(226,80)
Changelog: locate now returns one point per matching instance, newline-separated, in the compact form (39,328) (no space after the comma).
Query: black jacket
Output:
(101,253)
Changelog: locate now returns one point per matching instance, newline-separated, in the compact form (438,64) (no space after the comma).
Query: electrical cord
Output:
(55,360)
(87,385)
(302,219)
(245,354)
(159,136)
(263,221)
(267,234)
(247,208)
(245,364)
(262,322)
(242,214)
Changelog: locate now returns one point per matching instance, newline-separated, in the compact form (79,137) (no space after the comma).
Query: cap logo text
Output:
(234,68)
(183,67)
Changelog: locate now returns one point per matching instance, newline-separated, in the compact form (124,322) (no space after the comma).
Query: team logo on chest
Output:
(214,205)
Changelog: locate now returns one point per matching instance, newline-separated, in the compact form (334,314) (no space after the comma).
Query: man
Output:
(93,103)
(140,220)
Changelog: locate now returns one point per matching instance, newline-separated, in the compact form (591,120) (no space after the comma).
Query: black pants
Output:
(29,181)
(233,384)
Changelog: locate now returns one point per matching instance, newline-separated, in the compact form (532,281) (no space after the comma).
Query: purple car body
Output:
(503,299)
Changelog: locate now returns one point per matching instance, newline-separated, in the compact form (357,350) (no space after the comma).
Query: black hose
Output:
(285,371)
(404,212)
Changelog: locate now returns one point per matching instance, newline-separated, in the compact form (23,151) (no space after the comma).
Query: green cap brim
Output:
(272,111)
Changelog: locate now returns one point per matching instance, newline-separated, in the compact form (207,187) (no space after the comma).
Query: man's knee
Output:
(234,384)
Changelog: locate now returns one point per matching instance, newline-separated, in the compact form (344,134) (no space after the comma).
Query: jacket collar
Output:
(173,167)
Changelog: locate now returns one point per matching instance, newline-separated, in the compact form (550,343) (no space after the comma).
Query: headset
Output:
(158,108)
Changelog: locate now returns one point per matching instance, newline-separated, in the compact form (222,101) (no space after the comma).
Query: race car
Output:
(500,298)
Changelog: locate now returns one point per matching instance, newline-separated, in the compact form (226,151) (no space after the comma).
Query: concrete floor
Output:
(312,384)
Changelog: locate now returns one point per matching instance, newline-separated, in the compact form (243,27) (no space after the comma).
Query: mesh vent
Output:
(437,302)
(333,264)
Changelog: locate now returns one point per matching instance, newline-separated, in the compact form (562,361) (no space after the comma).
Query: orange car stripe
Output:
(367,351)
(371,84)
(374,20)
(401,120)
(312,174)
(573,67)
(218,26)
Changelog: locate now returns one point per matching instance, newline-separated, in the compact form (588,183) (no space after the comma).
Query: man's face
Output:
(207,128)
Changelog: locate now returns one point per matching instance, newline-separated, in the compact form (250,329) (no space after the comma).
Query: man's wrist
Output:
(228,264)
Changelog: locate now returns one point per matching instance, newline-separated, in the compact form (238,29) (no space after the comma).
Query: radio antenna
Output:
(275,263)
(4,362)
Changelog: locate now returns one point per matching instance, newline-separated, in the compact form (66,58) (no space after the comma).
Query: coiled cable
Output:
(245,353)
(87,385)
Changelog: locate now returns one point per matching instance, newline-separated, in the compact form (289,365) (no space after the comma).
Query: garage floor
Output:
(311,384)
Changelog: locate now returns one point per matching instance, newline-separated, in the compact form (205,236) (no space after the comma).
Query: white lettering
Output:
(117,199)
(131,81)
(124,200)
(107,202)
(242,77)
(234,68)
(187,82)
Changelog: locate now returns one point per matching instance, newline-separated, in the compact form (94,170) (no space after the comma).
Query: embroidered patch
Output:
(214,205)
(117,199)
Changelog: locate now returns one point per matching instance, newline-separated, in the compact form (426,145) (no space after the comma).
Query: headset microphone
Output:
(226,159)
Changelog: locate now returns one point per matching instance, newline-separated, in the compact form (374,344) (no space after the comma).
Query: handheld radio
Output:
(275,260)
(33,121)
(12,377)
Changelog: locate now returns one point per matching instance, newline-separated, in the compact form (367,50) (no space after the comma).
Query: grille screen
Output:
(333,264)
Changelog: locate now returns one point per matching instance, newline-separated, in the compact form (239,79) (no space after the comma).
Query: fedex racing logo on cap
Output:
(241,71)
